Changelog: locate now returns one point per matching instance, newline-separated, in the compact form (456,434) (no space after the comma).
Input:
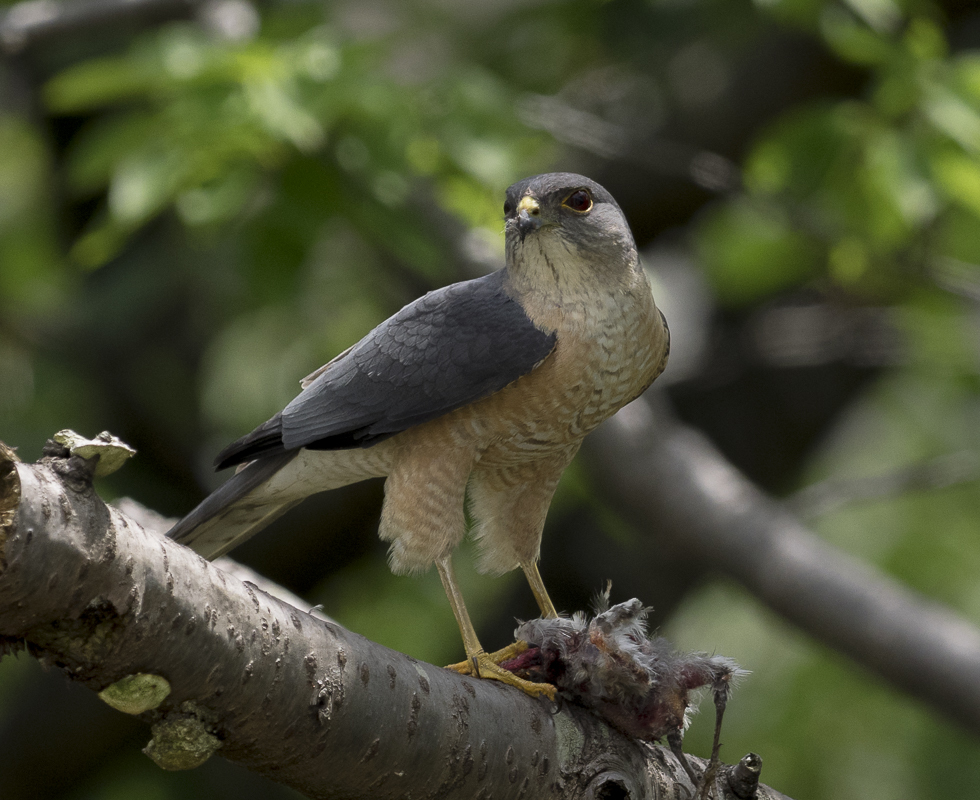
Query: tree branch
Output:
(26,24)
(298,699)
(834,493)
(673,484)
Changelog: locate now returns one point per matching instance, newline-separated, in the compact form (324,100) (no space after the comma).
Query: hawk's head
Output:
(568,225)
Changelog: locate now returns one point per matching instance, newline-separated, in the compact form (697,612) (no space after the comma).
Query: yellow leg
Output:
(478,662)
(538,590)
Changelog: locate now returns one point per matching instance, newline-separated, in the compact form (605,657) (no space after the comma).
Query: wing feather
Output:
(448,349)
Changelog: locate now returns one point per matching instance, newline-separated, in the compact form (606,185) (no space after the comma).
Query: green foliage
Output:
(867,195)
(194,124)
(29,280)
(752,250)
(877,200)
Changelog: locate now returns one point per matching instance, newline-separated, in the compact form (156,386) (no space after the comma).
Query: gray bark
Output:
(266,685)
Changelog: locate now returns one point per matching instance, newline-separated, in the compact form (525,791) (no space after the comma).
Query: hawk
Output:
(484,388)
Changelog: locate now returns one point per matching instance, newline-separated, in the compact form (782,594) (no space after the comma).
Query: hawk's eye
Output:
(580,200)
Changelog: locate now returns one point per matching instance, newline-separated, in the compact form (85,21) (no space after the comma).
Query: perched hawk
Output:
(486,386)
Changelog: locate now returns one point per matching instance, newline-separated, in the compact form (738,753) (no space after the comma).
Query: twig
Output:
(829,495)
(582,129)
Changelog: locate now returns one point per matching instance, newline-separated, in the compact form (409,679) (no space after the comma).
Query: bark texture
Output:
(290,696)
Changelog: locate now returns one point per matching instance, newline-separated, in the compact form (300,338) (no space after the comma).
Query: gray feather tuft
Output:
(638,684)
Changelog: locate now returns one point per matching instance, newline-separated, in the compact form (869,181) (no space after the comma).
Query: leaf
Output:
(749,251)
(852,40)
(93,84)
(96,151)
(958,176)
(144,183)
(953,115)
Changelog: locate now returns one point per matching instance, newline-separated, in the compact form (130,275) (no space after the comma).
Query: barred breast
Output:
(609,351)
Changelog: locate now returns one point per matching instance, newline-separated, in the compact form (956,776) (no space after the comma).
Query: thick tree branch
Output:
(673,484)
(295,698)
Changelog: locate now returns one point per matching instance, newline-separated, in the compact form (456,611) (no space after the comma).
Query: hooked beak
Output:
(528,216)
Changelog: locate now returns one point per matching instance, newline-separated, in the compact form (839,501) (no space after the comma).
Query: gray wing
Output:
(228,516)
(444,351)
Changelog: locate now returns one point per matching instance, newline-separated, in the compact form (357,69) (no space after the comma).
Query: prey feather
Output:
(639,685)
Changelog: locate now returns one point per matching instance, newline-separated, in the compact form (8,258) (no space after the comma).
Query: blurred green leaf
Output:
(853,40)
(953,115)
(143,184)
(751,251)
(32,274)
(958,176)
(92,84)
(925,40)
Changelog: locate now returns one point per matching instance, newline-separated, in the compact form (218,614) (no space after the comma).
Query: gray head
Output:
(564,214)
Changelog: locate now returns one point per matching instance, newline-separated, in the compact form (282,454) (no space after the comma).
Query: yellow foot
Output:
(485,665)
(499,657)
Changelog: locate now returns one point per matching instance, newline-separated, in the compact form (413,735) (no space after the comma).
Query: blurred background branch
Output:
(671,483)
(201,202)
(29,24)
(938,473)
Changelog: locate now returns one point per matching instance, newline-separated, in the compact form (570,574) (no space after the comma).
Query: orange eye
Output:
(580,200)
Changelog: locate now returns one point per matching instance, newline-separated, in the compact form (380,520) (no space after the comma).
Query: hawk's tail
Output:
(230,515)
